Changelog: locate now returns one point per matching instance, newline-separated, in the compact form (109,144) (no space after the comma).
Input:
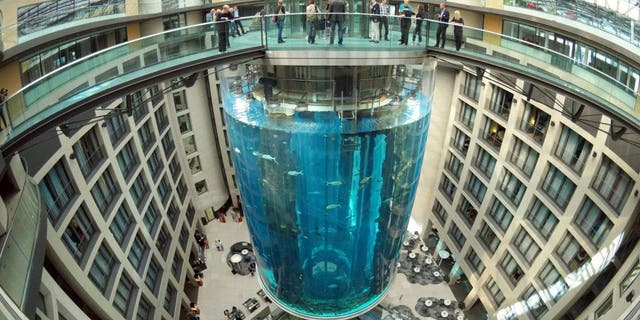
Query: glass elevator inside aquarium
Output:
(327,161)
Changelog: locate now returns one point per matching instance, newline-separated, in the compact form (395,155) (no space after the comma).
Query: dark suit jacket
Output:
(337,6)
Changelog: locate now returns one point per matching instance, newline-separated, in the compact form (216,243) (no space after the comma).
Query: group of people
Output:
(229,24)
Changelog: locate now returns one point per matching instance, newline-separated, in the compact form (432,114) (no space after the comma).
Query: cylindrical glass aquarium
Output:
(327,170)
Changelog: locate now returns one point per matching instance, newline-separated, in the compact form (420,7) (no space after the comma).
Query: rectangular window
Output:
(467,115)
(441,213)
(140,191)
(488,238)
(493,133)
(535,123)
(189,144)
(461,141)
(147,138)
(57,191)
(523,157)
(176,266)
(535,305)
(173,212)
(472,86)
(201,187)
(174,168)
(500,214)
(474,261)
(495,292)
(138,105)
(526,246)
(454,165)
(484,162)
(542,218)
(571,253)
(457,236)
(127,160)
(194,165)
(511,269)
(170,299)
(447,187)
(631,276)
(558,187)
(156,95)
(116,123)
(467,211)
(163,242)
(164,190)
(184,123)
(124,295)
(476,188)
(605,307)
(88,152)
(573,149)
(182,190)
(501,102)
(553,281)
(105,192)
(612,184)
(121,224)
(191,213)
(168,145)
(101,270)
(512,188)
(179,101)
(593,222)
(154,274)
(137,252)
(145,309)
(150,218)
(184,237)
(162,121)
(155,164)
(78,234)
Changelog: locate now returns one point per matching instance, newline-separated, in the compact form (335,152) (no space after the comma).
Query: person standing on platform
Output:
(237,22)
(458,22)
(279,19)
(384,20)
(443,23)
(222,17)
(312,21)
(375,21)
(422,14)
(336,15)
(406,13)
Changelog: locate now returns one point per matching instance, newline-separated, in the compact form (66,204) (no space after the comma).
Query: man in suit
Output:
(443,23)
(337,20)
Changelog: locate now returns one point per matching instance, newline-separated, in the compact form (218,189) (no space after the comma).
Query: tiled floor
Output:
(222,290)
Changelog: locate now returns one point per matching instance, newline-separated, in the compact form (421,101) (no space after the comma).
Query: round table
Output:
(406,243)
(244,252)
(444,314)
(412,255)
(428,261)
(424,248)
(236,258)
(428,303)
(460,317)
(436,273)
(416,269)
(447,302)
(444,254)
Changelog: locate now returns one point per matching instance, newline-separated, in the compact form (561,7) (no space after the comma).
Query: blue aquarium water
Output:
(327,200)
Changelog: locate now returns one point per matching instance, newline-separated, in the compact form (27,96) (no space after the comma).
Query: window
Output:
(184,122)
(189,144)
(179,101)
(472,86)
(194,165)
(542,218)
(441,213)
(150,218)
(553,281)
(523,157)
(191,213)
(573,149)
(605,307)
(57,191)
(127,159)
(176,266)
(493,133)
(447,187)
(170,299)
(511,269)
(121,224)
(137,252)
(474,261)
(535,305)
(535,123)
(501,102)
(147,138)
(558,187)
(174,168)
(116,126)
(526,246)
(457,236)
(631,276)
(476,188)
(173,212)
(88,152)
(155,164)
(593,222)
(184,237)
(571,253)
(164,189)
(467,211)
(124,295)
(454,165)
(139,191)
(78,234)
(484,162)
(201,187)
(154,274)
(612,184)
(161,119)
(163,242)
(167,144)
(488,238)
(500,215)
(182,190)
(102,268)
(173,21)
(145,309)
(138,106)
(495,292)
(512,188)
(156,95)
(461,142)
(467,115)
(104,192)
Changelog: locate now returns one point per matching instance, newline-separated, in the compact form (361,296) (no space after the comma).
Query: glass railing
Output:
(17,250)
(114,66)
(618,17)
